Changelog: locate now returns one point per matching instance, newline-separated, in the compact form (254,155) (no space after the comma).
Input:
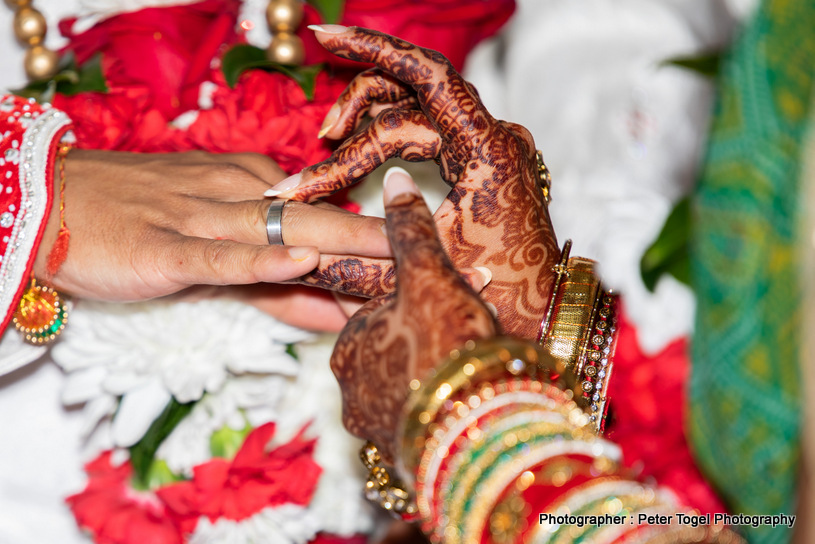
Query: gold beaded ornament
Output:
(383,489)
(284,16)
(30,29)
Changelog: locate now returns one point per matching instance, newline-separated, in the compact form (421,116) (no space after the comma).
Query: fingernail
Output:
(396,182)
(493,310)
(486,272)
(384,229)
(286,185)
(300,254)
(328,29)
(330,118)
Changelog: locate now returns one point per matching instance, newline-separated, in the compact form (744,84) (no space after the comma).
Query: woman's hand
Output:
(494,215)
(398,337)
(148,225)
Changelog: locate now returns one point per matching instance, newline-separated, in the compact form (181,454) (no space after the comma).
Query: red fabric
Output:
(452,27)
(648,398)
(165,51)
(13,129)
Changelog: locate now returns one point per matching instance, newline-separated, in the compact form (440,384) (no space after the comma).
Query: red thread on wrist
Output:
(59,252)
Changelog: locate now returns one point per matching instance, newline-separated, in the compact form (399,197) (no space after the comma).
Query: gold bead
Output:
(29,26)
(284,15)
(40,63)
(286,49)
(16,4)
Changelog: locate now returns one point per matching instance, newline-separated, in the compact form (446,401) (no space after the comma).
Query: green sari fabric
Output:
(745,393)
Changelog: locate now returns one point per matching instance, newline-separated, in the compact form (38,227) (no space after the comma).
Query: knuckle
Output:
(218,258)
(227,171)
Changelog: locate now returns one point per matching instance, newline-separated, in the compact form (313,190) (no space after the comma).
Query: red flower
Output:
(254,480)
(116,514)
(166,51)
(647,397)
(267,113)
(452,27)
(122,120)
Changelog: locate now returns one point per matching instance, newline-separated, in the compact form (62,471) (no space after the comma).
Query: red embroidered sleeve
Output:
(29,134)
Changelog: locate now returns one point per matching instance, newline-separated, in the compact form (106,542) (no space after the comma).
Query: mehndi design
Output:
(494,215)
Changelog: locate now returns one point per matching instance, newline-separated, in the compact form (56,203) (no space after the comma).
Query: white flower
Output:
(315,398)
(244,399)
(285,524)
(148,352)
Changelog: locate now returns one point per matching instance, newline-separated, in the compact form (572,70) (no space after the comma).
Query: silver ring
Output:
(274,223)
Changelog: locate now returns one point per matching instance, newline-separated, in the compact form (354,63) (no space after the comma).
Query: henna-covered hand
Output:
(398,337)
(494,215)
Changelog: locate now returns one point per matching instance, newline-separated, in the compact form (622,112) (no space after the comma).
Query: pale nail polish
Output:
(396,182)
(286,185)
(330,118)
(328,29)
(486,272)
(493,310)
(300,254)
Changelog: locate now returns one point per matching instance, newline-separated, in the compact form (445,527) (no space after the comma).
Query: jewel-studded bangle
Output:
(579,328)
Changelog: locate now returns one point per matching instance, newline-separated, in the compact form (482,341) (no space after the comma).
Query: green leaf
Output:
(142,453)
(225,442)
(331,10)
(159,474)
(70,79)
(87,78)
(305,76)
(291,350)
(246,57)
(239,59)
(669,254)
(706,64)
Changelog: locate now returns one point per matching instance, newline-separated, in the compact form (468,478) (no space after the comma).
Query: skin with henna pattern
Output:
(398,337)
(494,215)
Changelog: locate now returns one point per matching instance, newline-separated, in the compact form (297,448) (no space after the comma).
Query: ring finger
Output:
(330,229)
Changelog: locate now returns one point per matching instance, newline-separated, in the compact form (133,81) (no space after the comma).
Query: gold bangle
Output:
(478,362)
(544,177)
(579,328)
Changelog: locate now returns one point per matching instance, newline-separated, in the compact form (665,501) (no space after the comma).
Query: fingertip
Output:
(397,182)
(486,274)
(330,120)
(328,29)
(493,310)
(478,277)
(288,184)
(301,254)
